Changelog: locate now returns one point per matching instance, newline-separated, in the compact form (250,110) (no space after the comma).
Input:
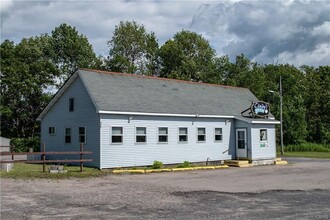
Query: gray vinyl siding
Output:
(84,115)
(267,152)
(130,153)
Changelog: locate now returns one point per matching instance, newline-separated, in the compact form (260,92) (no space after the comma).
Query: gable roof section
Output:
(135,94)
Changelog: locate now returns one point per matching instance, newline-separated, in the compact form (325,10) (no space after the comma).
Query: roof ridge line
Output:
(160,78)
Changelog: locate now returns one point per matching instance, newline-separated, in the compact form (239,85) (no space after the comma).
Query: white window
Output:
(51,131)
(162,134)
(183,134)
(67,135)
(141,135)
(82,134)
(217,134)
(201,135)
(71,104)
(117,135)
(263,134)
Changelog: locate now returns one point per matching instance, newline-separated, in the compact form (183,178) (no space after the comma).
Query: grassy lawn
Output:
(309,154)
(21,170)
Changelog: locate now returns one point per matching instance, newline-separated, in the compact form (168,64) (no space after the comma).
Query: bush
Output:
(157,164)
(185,164)
(23,144)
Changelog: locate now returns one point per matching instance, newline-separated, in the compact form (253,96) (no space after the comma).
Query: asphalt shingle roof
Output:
(132,93)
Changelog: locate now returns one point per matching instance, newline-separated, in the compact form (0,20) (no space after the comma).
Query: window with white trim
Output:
(183,134)
(162,134)
(67,135)
(263,134)
(141,135)
(201,134)
(217,134)
(117,135)
(51,131)
(82,134)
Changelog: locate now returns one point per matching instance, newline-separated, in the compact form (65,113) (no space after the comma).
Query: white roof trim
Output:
(266,122)
(269,121)
(164,114)
(58,95)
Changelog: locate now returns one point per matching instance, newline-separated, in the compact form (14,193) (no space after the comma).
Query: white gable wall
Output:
(136,154)
(84,115)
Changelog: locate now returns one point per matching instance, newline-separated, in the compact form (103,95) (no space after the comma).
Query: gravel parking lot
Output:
(300,190)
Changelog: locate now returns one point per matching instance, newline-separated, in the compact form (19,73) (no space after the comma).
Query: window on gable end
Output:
(71,104)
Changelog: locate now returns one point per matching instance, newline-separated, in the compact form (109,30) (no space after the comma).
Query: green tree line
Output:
(35,67)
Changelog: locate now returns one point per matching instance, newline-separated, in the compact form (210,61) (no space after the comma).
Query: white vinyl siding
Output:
(131,154)
(265,148)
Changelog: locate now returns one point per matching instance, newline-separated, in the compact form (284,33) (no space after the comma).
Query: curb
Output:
(182,169)
(127,171)
(158,170)
(204,168)
(221,166)
(169,169)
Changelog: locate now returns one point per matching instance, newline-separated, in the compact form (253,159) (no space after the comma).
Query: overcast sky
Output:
(294,32)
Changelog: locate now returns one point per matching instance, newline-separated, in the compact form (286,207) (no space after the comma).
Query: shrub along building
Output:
(132,120)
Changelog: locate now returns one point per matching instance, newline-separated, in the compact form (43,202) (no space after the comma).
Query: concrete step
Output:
(263,162)
(281,162)
(236,162)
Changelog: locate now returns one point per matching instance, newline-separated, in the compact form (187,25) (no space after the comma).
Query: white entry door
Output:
(241,145)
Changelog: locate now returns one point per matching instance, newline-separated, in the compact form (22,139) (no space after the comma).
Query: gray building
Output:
(4,144)
(131,120)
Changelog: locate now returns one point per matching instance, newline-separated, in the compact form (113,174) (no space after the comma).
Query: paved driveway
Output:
(300,190)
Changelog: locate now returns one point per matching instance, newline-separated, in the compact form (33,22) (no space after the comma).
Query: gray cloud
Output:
(266,31)
(95,19)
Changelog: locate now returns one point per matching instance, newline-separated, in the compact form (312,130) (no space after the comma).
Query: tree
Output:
(317,102)
(187,56)
(71,50)
(133,50)
(294,110)
(26,72)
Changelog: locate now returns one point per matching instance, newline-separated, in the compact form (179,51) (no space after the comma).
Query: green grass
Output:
(308,147)
(22,171)
(322,155)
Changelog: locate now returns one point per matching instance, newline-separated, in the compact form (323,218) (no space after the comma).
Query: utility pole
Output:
(280,94)
(281,117)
